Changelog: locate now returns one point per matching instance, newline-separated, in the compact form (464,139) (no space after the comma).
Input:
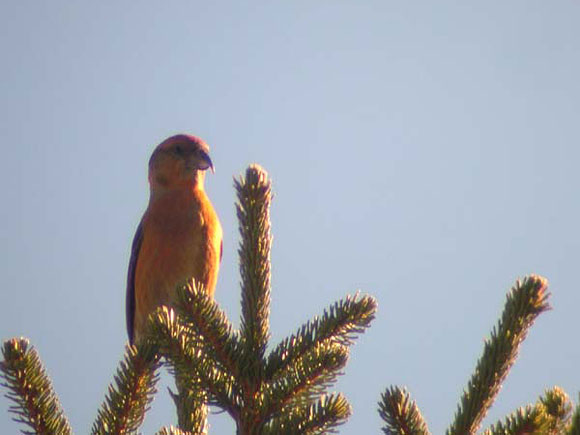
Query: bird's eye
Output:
(178,149)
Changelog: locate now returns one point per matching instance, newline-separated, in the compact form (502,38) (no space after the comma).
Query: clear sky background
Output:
(423,152)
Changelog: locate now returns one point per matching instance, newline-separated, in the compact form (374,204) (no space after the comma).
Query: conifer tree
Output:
(283,390)
(552,413)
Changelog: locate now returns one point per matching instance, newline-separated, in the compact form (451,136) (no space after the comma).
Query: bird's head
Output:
(179,160)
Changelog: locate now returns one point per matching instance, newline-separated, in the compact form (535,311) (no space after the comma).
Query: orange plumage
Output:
(179,237)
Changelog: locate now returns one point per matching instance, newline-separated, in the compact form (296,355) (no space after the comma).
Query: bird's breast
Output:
(181,240)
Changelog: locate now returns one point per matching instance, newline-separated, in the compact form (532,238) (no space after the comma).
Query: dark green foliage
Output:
(401,414)
(180,346)
(526,301)
(574,428)
(551,414)
(526,420)
(253,210)
(319,417)
(210,330)
(131,393)
(306,380)
(191,403)
(340,323)
(209,327)
(556,409)
(173,431)
(35,403)
(298,385)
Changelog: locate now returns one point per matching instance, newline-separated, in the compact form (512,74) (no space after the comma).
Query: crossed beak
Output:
(205,163)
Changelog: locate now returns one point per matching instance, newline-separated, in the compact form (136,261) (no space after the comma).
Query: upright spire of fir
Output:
(285,391)
(253,210)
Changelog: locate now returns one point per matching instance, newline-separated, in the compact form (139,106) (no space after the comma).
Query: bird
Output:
(179,236)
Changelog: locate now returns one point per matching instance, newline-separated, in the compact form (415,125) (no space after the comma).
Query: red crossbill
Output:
(179,236)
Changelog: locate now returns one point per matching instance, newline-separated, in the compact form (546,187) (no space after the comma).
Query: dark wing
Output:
(130,302)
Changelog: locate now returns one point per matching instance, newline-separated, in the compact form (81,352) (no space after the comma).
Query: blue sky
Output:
(423,152)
